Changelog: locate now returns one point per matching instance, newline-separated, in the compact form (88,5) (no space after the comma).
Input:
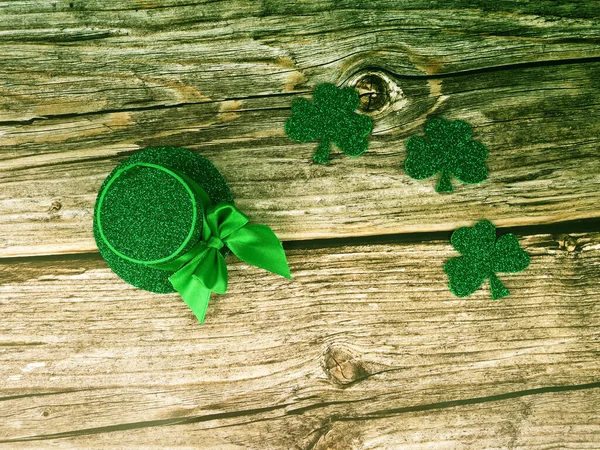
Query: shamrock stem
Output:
(498,289)
(321,156)
(444,185)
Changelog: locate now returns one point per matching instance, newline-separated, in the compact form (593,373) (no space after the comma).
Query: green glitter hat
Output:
(164,220)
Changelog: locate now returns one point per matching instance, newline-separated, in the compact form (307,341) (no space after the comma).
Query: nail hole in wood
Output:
(55,207)
(566,242)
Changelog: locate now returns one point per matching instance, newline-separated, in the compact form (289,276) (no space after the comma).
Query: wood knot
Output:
(342,365)
(566,242)
(376,91)
(55,206)
(372,92)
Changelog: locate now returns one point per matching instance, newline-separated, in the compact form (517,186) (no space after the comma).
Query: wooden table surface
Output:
(366,348)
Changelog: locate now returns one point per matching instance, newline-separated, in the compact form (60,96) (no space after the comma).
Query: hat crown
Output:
(148,213)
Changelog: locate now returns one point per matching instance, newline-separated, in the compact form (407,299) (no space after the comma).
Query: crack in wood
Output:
(490,69)
(33,120)
(40,394)
(147,424)
(559,229)
(278,94)
(474,400)
(333,418)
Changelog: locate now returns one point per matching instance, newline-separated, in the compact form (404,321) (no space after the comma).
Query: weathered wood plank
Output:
(541,421)
(367,348)
(234,8)
(362,330)
(86,61)
(541,125)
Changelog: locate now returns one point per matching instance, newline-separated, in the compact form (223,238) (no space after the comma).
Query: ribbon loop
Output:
(224,219)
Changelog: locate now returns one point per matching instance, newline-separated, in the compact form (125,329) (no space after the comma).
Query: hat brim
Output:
(180,160)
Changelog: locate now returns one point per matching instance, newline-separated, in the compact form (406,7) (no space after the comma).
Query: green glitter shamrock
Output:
(331,118)
(483,256)
(449,149)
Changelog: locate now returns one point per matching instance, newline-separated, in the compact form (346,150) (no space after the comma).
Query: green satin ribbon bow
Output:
(203,270)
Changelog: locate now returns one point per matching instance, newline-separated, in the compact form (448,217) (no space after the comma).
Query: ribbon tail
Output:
(259,246)
(193,294)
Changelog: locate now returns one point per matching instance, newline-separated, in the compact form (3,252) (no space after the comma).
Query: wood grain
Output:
(85,84)
(540,421)
(366,348)
(361,331)
(541,125)
(93,56)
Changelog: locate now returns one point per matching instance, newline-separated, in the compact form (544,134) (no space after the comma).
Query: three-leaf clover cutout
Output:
(448,149)
(331,118)
(483,256)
